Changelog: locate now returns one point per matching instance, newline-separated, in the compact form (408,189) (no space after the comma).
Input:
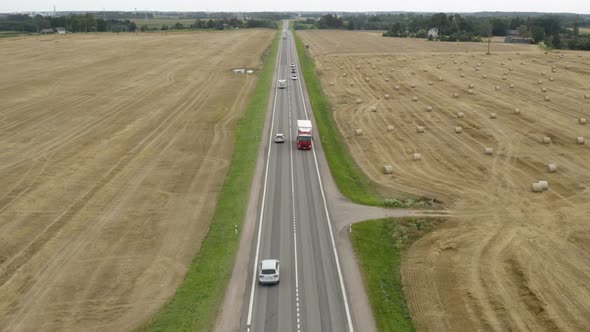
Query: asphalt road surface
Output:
(293,225)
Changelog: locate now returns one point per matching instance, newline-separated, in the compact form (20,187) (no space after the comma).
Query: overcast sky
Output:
(571,6)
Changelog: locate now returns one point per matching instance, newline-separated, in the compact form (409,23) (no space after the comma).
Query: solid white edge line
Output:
(341,279)
(272,122)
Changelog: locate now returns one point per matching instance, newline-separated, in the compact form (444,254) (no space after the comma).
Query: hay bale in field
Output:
(511,86)
(493,116)
(476,68)
(544,89)
(458,130)
(511,69)
(567,66)
(358,132)
(537,188)
(551,79)
(543,73)
(358,67)
(341,68)
(428,108)
(367,79)
(419,129)
(455,95)
(488,151)
(505,73)
(343,74)
(351,83)
(412,85)
(331,83)
(387,169)
(328,68)
(497,88)
(517,111)
(373,108)
(471,86)
(430,83)
(417,156)
(582,121)
(552,168)
(437,67)
(386,79)
(539,82)
(485,76)
(396,87)
(579,140)
(414,98)
(425,70)
(544,184)
(390,128)
(460,115)
(387,96)
(462,75)
(504,78)
(547,98)
(380,73)
(358,101)
(470,91)
(546,140)
(586,96)
(554,70)
(440,78)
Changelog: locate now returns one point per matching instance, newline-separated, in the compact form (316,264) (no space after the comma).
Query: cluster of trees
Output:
(72,23)
(220,24)
(557,31)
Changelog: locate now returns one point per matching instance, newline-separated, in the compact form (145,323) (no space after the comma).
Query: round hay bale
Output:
(331,83)
(547,98)
(440,78)
(367,79)
(586,96)
(428,109)
(430,83)
(412,85)
(517,111)
(396,87)
(493,116)
(341,68)
(543,73)
(544,89)
(505,73)
(387,96)
(582,121)
(552,168)
(351,83)
(390,128)
(554,70)
(537,188)
(414,98)
(328,68)
(580,140)
(387,169)
(458,130)
(544,184)
(455,95)
(358,67)
(567,66)
(380,73)
(470,91)
(460,115)
(511,69)
(504,78)
(437,67)
(343,74)
(485,76)
(417,156)
(476,68)
(419,129)
(546,140)
(511,86)
(539,82)
(372,67)
(471,86)
(462,75)
(386,79)
(488,151)
(497,88)
(425,70)
(358,132)
(551,79)
(373,108)
(358,101)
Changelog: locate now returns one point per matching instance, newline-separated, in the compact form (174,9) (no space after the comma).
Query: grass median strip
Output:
(351,181)
(195,305)
(379,246)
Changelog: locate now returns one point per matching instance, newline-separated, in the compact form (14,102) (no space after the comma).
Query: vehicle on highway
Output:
(304,135)
(293,70)
(292,65)
(269,271)
(279,138)
(294,77)
(282,84)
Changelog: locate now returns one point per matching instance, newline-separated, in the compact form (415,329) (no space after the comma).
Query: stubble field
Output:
(113,149)
(509,259)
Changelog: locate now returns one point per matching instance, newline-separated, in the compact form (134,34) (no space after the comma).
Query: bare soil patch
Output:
(511,259)
(113,149)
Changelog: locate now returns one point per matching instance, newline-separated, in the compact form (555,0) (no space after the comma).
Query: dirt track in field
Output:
(113,149)
(511,259)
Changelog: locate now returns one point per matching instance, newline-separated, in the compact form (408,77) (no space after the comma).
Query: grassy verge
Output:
(379,245)
(350,180)
(195,305)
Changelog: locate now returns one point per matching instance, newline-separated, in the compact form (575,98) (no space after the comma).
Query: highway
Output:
(293,226)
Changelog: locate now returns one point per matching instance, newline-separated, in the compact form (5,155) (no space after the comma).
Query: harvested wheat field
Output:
(113,149)
(486,128)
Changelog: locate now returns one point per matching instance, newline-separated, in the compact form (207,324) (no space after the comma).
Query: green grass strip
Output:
(196,303)
(349,178)
(379,245)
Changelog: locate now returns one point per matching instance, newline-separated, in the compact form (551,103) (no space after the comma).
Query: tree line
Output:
(219,24)
(555,30)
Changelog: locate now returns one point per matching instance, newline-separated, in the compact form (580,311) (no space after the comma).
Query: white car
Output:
(269,271)
(280,138)
(292,65)
(282,84)
(294,77)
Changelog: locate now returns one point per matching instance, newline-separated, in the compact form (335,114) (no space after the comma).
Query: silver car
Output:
(280,138)
(269,271)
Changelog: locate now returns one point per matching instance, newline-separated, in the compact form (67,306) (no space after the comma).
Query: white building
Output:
(433,33)
(60,30)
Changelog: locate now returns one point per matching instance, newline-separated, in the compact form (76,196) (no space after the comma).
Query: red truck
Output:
(304,135)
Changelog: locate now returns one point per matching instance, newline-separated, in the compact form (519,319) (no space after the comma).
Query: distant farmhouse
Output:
(52,30)
(513,36)
(433,33)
